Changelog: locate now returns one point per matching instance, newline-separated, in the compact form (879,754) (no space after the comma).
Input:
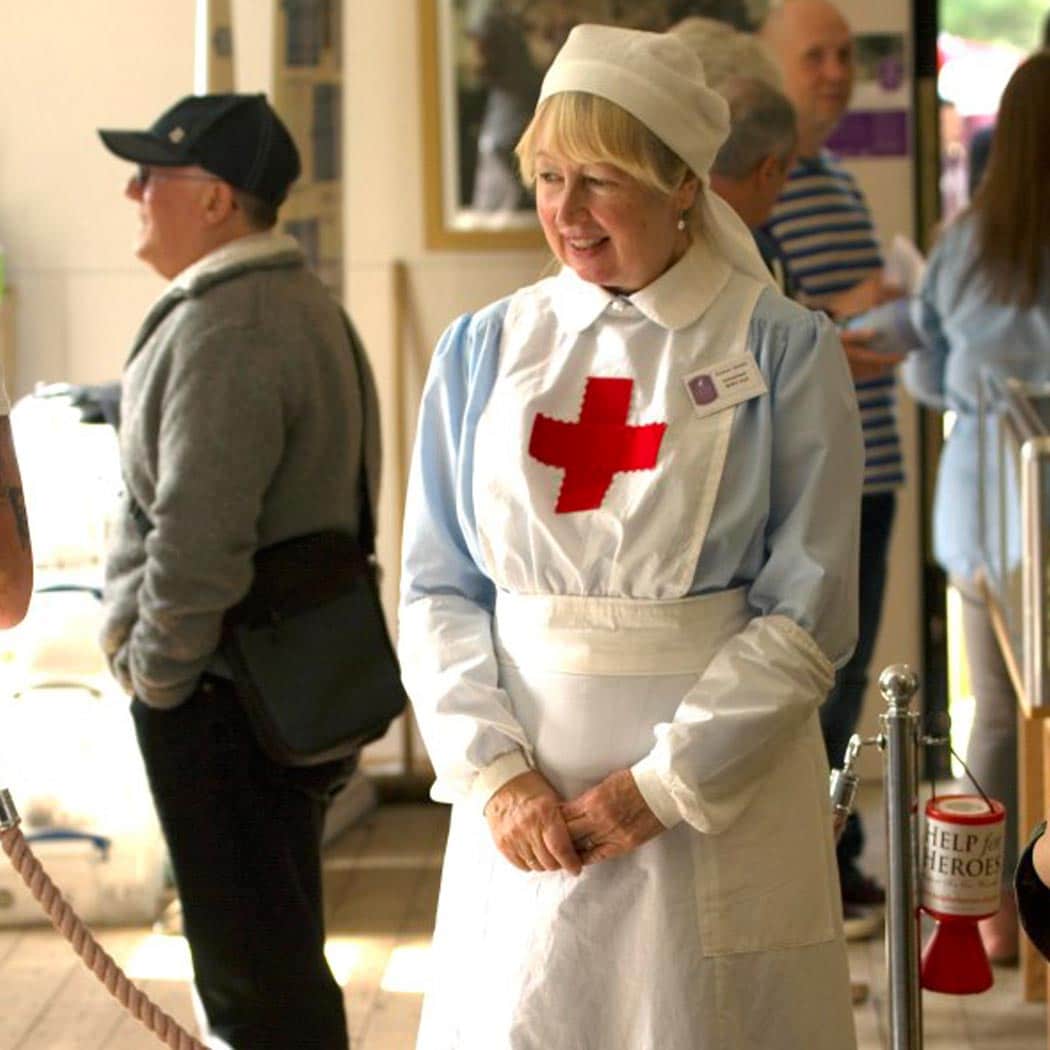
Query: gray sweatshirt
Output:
(240,427)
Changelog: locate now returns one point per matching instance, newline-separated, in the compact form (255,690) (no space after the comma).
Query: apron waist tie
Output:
(571,634)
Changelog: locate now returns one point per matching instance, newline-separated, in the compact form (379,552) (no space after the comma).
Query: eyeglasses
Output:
(144,175)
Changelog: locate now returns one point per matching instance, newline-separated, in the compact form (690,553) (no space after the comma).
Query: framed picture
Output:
(482,64)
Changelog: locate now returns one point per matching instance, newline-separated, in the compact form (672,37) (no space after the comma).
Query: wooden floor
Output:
(382,878)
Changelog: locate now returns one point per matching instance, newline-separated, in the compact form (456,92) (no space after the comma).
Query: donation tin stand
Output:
(961,865)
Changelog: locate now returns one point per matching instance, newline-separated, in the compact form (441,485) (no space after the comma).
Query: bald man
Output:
(822,225)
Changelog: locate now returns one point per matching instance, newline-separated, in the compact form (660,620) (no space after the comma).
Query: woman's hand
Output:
(528,828)
(610,819)
(863,362)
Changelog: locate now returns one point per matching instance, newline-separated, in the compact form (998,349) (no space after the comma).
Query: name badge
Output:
(724,385)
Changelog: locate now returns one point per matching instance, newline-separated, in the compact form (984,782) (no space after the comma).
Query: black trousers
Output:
(244,836)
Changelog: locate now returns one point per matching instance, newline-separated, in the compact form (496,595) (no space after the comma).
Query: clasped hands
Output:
(536,830)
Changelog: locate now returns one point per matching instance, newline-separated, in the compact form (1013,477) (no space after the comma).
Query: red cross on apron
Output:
(597,446)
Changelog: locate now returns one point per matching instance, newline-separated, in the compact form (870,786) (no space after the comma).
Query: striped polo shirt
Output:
(822,224)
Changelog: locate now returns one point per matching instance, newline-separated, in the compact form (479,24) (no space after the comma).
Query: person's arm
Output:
(16,552)
(923,373)
(1032,885)
(766,681)
(859,298)
(221,436)
(1041,857)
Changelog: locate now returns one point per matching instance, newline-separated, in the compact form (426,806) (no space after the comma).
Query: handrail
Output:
(1010,418)
(1014,395)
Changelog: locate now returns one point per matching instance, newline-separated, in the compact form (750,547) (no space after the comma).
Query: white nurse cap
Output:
(653,76)
(658,80)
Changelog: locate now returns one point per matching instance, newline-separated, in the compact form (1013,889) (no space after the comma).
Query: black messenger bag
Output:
(309,651)
(308,645)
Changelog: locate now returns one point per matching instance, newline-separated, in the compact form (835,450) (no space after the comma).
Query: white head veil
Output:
(658,80)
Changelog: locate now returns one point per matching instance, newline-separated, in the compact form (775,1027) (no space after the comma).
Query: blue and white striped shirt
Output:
(823,226)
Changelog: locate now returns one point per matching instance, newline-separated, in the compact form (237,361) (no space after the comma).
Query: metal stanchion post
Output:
(899,740)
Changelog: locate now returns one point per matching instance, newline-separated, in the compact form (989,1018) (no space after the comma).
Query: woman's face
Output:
(606,225)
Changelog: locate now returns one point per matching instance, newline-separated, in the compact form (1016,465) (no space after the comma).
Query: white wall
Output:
(69,67)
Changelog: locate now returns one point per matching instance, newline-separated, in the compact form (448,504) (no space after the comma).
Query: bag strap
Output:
(366,538)
(366,531)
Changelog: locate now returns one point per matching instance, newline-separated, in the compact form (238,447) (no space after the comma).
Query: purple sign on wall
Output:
(872,133)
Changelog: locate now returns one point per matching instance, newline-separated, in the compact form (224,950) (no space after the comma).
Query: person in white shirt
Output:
(627,582)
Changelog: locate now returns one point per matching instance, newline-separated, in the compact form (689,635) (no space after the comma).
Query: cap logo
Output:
(176,135)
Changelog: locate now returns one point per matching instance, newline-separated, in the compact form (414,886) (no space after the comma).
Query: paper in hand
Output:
(905,265)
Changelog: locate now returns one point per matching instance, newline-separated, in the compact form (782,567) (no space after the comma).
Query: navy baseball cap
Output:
(237,137)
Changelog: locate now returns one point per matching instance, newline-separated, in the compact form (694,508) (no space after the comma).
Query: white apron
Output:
(685,943)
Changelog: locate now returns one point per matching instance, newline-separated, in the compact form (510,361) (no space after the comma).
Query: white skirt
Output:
(691,942)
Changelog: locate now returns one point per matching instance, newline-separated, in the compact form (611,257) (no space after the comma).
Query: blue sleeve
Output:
(765,683)
(816,472)
(923,371)
(445,644)
(439,549)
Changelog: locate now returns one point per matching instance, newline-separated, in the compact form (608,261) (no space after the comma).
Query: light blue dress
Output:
(723,930)
(964,332)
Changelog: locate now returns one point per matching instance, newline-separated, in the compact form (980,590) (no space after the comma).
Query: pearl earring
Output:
(681,221)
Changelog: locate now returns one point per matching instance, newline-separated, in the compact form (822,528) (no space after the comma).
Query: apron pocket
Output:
(769,881)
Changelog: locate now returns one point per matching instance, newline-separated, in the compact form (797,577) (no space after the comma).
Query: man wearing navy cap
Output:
(241,427)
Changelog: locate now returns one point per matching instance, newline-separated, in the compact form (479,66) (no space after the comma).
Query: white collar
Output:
(676,299)
(251,248)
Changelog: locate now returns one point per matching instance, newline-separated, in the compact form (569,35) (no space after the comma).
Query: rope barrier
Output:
(68,923)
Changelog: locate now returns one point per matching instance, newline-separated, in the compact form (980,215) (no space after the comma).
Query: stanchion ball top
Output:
(898,683)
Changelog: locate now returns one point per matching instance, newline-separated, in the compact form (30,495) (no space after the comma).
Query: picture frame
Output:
(482,63)
(451,125)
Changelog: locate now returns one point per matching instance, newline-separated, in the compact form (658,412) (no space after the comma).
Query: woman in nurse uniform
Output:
(629,565)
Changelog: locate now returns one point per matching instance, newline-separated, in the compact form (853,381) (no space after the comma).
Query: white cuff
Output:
(657,797)
(496,774)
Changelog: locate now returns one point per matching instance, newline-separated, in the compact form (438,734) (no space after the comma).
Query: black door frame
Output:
(933,604)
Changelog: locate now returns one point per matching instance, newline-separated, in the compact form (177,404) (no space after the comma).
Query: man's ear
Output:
(219,202)
(768,168)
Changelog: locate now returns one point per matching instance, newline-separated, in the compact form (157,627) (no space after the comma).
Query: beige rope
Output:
(68,923)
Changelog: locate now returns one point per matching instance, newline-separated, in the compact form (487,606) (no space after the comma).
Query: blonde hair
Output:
(588,129)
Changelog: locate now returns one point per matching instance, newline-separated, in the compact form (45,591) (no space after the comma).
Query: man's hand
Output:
(610,819)
(863,296)
(865,363)
(528,828)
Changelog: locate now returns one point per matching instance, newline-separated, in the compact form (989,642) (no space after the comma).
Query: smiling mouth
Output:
(584,244)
